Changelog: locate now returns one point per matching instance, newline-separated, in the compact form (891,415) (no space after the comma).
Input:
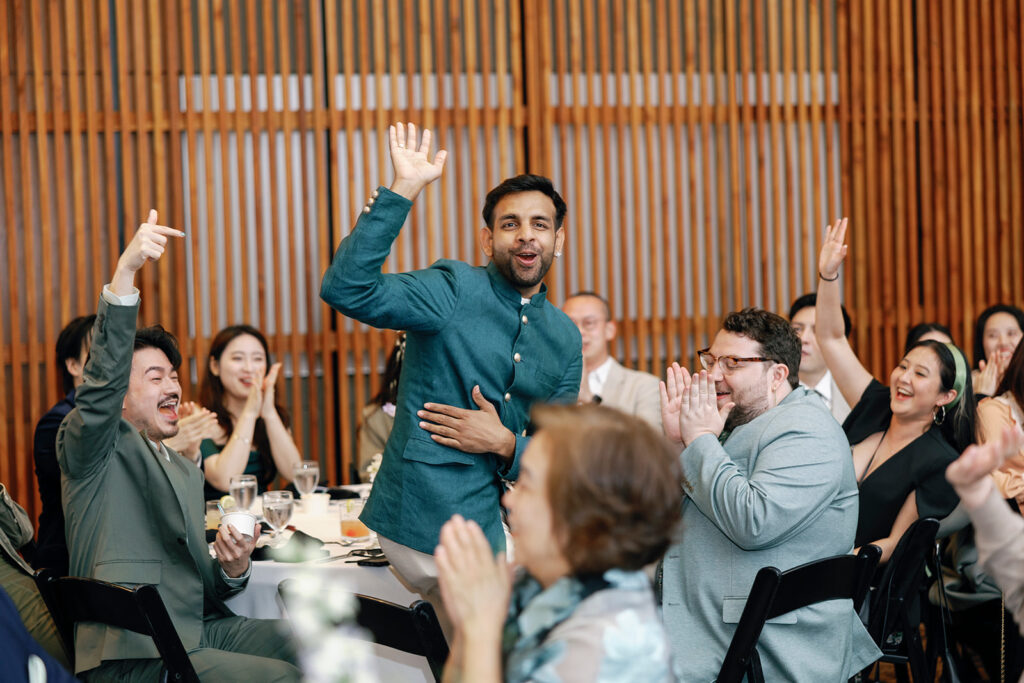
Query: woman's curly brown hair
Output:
(614,484)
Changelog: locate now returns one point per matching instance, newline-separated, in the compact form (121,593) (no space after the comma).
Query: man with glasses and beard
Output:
(772,485)
(482,345)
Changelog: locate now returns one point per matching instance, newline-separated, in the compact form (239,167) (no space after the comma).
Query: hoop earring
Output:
(940,415)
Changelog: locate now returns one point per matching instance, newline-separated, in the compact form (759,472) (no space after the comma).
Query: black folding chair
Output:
(774,593)
(413,629)
(894,613)
(72,599)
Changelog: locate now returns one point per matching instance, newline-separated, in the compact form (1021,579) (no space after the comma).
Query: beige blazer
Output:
(633,392)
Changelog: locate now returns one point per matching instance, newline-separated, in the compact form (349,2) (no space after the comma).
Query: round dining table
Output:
(260,597)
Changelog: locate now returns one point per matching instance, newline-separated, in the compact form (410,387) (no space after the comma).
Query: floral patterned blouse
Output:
(586,628)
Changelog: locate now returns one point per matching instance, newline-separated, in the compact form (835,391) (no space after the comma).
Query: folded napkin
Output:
(301,547)
(338,493)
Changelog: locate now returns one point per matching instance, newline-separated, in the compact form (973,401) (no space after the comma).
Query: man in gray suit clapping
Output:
(772,484)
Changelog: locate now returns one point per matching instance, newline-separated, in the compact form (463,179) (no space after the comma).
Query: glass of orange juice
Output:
(351,528)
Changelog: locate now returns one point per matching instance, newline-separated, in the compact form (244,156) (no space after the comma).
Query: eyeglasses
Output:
(727,363)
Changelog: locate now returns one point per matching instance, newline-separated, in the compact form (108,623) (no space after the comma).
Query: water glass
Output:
(277,510)
(306,476)
(243,490)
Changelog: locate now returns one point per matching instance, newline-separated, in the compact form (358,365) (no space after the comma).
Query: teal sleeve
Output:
(419,301)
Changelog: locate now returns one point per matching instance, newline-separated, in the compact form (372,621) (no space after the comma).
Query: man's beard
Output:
(742,415)
(504,263)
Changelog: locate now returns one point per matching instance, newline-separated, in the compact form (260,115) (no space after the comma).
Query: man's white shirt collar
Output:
(598,376)
(824,388)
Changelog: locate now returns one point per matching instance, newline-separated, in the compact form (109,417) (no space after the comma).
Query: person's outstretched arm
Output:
(850,375)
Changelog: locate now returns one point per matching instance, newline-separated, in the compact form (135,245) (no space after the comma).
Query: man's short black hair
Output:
(526,182)
(72,339)
(773,332)
(156,337)
(810,300)
(595,295)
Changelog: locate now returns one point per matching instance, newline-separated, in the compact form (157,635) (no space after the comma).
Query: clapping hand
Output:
(267,406)
(833,250)
(195,424)
(699,413)
(413,170)
(970,473)
(672,401)
(475,585)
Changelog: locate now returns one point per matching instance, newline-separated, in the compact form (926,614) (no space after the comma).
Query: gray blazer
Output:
(781,492)
(633,392)
(132,515)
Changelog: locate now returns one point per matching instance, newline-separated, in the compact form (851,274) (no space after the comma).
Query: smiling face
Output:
(151,404)
(538,547)
(242,365)
(1001,335)
(523,240)
(591,318)
(751,385)
(915,386)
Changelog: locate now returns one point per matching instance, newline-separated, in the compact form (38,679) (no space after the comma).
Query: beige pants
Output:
(418,572)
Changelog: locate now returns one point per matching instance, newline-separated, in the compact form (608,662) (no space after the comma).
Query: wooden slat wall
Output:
(695,145)
(701,146)
(932,166)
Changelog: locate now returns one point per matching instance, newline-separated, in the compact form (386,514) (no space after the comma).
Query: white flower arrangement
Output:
(332,647)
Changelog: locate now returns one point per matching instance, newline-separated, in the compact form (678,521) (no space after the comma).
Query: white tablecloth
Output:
(260,600)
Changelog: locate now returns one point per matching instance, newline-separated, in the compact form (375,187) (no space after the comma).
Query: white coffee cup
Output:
(316,503)
(244,522)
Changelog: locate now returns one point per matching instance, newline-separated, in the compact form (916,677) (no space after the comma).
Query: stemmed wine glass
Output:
(277,510)
(305,477)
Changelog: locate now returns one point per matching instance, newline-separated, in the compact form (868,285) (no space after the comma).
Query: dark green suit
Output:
(136,515)
(466,326)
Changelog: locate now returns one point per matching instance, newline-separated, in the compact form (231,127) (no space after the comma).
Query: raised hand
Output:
(147,244)
(833,250)
(413,170)
(268,390)
(699,413)
(969,474)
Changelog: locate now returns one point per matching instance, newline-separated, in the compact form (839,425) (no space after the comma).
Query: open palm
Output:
(411,162)
(833,249)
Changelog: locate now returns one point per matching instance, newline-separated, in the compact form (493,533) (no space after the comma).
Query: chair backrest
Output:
(774,593)
(901,579)
(414,629)
(73,599)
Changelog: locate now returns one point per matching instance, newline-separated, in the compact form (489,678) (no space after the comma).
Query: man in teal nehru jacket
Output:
(483,345)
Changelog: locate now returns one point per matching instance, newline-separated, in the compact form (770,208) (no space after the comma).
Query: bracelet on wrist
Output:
(247,441)
(828,279)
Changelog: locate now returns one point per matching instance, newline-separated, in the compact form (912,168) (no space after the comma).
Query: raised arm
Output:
(850,375)
(354,285)
(85,437)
